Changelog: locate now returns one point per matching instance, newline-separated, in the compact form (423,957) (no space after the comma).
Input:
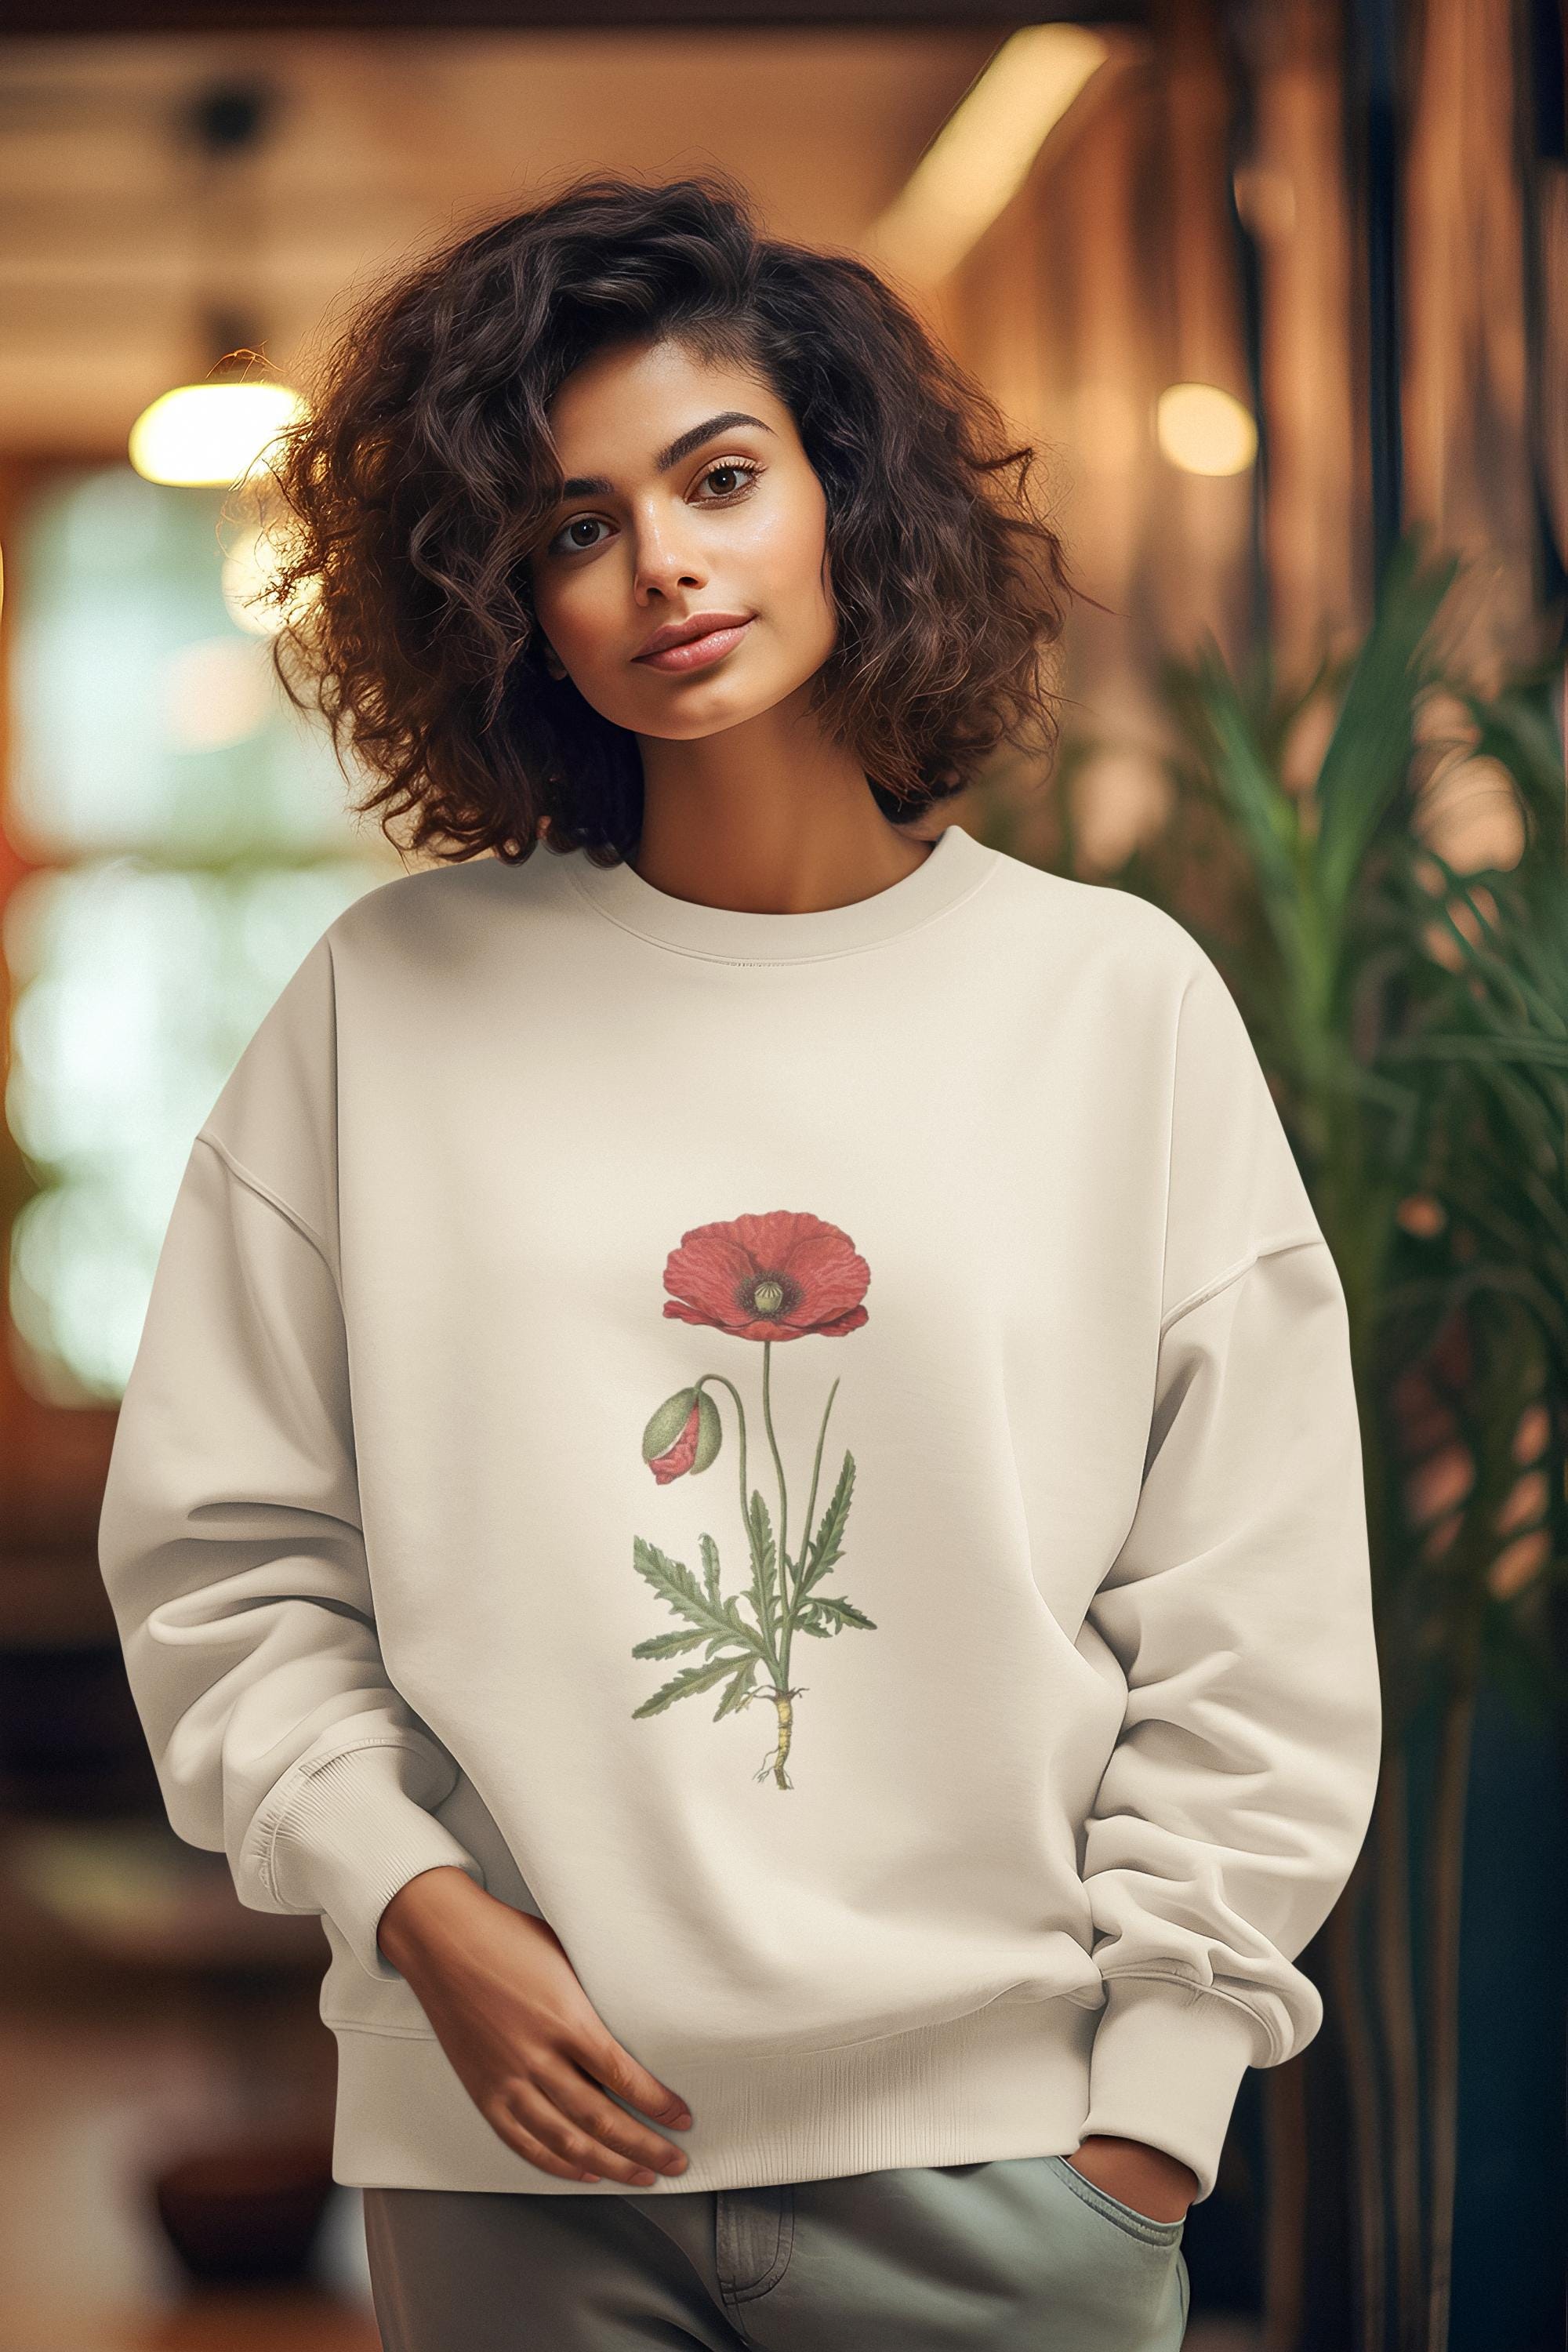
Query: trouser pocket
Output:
(982,2257)
(1121,2216)
(753,2233)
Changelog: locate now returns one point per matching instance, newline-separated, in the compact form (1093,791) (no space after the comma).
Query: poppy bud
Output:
(684,1435)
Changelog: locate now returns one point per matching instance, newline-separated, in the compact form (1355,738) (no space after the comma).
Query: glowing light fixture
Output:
(1204,430)
(218,431)
(210,432)
(983,151)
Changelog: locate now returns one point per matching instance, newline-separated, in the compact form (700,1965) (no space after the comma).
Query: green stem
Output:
(815,1468)
(741,1422)
(765,1630)
(810,1515)
(783,1499)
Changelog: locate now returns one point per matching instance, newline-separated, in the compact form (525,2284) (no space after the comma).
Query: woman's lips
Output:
(697,653)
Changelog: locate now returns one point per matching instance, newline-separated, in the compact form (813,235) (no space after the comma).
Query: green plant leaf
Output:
(674,1583)
(1516,728)
(826,1544)
(1252,792)
(739,1628)
(765,1563)
(825,1614)
(685,1686)
(667,1645)
(1366,765)
(739,1691)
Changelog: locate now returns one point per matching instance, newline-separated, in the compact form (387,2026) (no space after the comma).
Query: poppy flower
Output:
(784,1276)
(684,1435)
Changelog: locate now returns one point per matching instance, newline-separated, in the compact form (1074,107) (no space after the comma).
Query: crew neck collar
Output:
(954,866)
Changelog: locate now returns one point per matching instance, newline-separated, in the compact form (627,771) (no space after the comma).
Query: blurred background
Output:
(1277,290)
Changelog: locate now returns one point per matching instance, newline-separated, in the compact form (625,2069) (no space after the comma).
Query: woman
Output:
(742,1469)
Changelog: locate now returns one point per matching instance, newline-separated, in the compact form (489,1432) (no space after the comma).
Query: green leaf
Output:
(1260,807)
(667,1645)
(673,1582)
(694,1679)
(826,1615)
(765,1563)
(1366,765)
(826,1545)
(1433,1046)
(738,1630)
(710,1551)
(739,1691)
(1517,729)
(838,1613)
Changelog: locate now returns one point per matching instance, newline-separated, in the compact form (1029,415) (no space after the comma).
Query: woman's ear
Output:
(552,661)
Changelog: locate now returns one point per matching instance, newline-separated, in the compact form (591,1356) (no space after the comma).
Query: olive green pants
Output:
(1020,2255)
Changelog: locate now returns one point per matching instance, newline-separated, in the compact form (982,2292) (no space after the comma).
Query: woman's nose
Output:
(664,560)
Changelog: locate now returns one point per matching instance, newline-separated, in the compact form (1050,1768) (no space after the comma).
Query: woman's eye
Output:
(578,522)
(736,471)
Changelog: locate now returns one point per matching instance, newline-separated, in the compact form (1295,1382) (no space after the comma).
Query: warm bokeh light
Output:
(250,567)
(983,153)
(1204,430)
(209,434)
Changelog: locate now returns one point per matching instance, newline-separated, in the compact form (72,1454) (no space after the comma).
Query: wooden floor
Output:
(208,2324)
(87,2105)
(143,2016)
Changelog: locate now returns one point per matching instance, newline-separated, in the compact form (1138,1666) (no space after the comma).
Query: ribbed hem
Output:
(1008,2080)
(1166,2067)
(351,1834)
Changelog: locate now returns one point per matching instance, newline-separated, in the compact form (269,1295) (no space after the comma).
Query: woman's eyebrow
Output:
(593,485)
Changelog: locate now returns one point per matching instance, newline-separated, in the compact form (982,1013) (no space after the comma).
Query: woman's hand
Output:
(509,2010)
(1150,2180)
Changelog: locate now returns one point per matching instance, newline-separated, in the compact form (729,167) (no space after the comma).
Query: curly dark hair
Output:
(407,497)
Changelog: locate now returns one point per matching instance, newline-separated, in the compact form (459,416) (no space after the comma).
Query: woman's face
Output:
(693,499)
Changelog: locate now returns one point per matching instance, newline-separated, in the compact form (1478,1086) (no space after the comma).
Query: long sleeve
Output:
(1239,1610)
(231,1546)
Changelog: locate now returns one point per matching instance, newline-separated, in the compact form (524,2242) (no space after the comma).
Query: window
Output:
(182,838)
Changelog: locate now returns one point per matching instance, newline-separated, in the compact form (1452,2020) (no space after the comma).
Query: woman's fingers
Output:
(512,2016)
(586,2133)
(524,2142)
(572,2086)
(602,2056)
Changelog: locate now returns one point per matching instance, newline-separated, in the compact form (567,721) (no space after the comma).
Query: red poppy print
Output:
(787,1275)
(782,1276)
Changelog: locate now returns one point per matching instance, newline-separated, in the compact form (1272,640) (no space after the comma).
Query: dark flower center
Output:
(771,1294)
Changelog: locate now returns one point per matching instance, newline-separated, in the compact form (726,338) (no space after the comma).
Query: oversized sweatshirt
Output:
(816,1453)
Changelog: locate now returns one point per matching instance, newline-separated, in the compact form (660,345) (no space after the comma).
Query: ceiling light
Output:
(215,427)
(210,432)
(983,151)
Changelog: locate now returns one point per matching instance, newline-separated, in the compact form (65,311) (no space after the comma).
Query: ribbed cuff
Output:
(350,1835)
(1166,2065)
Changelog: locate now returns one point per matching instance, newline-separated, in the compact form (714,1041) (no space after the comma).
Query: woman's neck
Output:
(766,819)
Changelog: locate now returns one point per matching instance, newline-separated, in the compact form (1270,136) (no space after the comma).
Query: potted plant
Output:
(1404,974)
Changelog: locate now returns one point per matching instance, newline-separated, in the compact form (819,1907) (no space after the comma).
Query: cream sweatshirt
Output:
(817,1454)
